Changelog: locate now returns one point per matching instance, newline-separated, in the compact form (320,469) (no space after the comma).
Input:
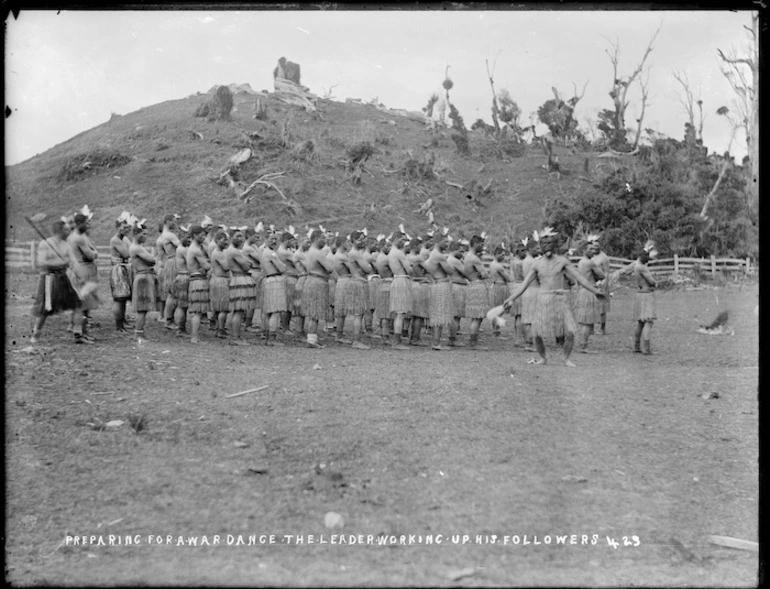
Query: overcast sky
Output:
(67,72)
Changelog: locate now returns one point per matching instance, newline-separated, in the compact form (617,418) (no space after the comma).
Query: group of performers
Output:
(258,279)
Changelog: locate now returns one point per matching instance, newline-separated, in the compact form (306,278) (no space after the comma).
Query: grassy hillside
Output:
(162,159)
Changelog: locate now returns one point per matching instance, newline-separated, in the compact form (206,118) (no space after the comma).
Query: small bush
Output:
(306,151)
(91,164)
(359,153)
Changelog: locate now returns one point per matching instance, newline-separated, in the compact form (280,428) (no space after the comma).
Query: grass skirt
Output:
(290,285)
(459,294)
(516,305)
(219,294)
(441,310)
(61,295)
(553,317)
(374,289)
(274,294)
(169,274)
(351,298)
(159,266)
(243,295)
(604,304)
(401,295)
(332,295)
(587,307)
(198,294)
(315,298)
(498,292)
(529,303)
(181,286)
(144,291)
(79,276)
(644,307)
(298,288)
(477,300)
(120,282)
(420,299)
(258,277)
(382,306)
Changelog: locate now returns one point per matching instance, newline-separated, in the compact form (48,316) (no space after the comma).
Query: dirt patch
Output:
(418,443)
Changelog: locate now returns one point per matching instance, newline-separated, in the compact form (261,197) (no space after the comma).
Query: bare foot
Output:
(570,363)
(540,361)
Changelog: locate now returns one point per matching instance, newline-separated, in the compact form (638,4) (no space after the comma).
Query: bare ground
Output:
(399,443)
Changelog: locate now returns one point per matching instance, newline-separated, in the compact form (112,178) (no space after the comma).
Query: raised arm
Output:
(519,290)
(573,274)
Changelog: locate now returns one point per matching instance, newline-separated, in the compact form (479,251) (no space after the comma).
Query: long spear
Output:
(41,234)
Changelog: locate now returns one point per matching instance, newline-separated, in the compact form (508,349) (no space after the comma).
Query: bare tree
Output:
(620,85)
(643,84)
(495,109)
(689,102)
(743,75)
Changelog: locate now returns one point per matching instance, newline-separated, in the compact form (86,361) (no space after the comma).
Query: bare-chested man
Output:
(441,302)
(182,281)
(644,305)
(145,280)
(299,263)
(529,299)
(498,279)
(382,304)
(587,306)
(169,242)
(84,275)
(459,290)
(400,289)
(198,265)
(602,260)
(219,283)
(242,292)
(371,249)
(477,300)
(251,251)
(419,250)
(358,301)
(554,317)
(120,272)
(285,253)
(273,289)
(315,294)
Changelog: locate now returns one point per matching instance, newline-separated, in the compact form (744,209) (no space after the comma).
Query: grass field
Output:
(399,443)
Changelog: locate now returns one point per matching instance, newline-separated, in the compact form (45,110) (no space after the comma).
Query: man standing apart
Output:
(120,273)
(145,280)
(644,305)
(85,278)
(554,317)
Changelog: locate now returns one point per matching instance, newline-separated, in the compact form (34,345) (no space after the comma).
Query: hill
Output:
(163,159)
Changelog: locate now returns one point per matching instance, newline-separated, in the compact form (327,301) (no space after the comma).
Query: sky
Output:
(67,72)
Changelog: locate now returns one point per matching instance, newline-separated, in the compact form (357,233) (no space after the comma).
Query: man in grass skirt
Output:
(55,292)
(602,260)
(299,263)
(400,289)
(219,283)
(342,291)
(251,249)
(587,306)
(169,242)
(419,250)
(198,265)
(459,290)
(644,303)
(477,302)
(371,250)
(182,280)
(553,318)
(145,285)
(83,272)
(498,280)
(382,313)
(120,272)
(285,252)
(315,293)
(356,300)
(529,299)
(517,277)
(441,312)
(243,294)
(273,289)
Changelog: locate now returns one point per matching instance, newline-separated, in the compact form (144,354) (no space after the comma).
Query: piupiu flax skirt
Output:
(198,295)
(243,294)
(145,290)
(529,303)
(644,307)
(553,317)
(258,277)
(516,305)
(315,298)
(477,300)
(459,295)
(55,293)
(80,275)
(587,307)
(332,296)
(219,294)
(274,294)
(382,307)
(169,275)
(441,311)
(298,288)
(401,294)
(374,289)
(290,286)
(351,297)
(498,292)
(420,299)
(120,282)
(181,288)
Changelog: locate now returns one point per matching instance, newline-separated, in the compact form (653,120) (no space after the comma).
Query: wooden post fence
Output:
(676,264)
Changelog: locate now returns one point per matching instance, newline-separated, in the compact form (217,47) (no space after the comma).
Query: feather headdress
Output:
(525,241)
(651,249)
(309,232)
(124,217)
(547,232)
(260,227)
(593,238)
(380,237)
(207,222)
(86,212)
(185,228)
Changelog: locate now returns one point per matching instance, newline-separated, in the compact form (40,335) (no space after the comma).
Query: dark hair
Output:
(195,230)
(220,234)
(57,226)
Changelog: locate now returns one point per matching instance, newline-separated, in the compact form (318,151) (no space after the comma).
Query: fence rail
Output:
(23,254)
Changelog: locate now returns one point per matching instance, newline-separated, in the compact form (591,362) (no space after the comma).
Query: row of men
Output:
(404,283)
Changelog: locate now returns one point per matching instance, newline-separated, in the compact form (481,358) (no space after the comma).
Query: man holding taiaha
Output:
(55,292)
(602,260)
(498,279)
(382,305)
(587,306)
(644,304)
(120,272)
(477,300)
(242,292)
(219,283)
(400,288)
(198,265)
(84,273)
(315,294)
(554,317)
(358,300)
(273,289)
(419,250)
(182,280)
(169,242)
(441,312)
(145,285)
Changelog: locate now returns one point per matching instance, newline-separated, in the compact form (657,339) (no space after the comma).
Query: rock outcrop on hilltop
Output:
(286,80)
